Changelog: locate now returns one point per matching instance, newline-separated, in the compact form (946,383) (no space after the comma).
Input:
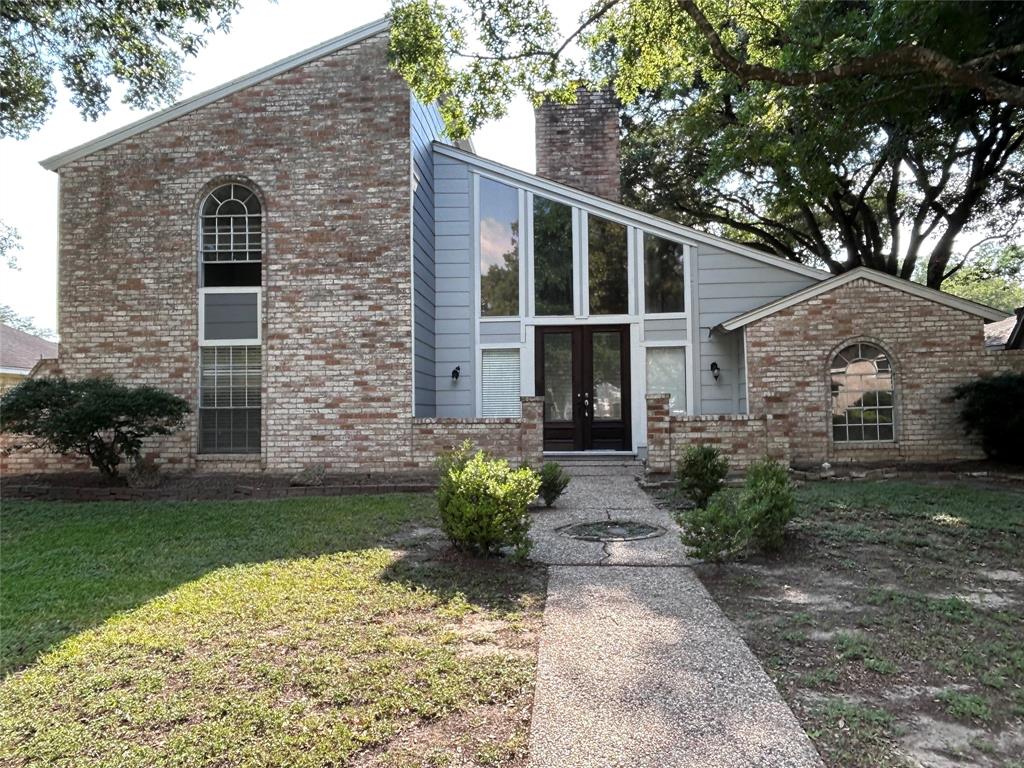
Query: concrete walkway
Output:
(638,666)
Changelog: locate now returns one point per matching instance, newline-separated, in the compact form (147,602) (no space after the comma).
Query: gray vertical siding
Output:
(425,126)
(729,284)
(453,258)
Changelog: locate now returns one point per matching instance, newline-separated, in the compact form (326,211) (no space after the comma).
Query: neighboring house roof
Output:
(862,273)
(1016,338)
(998,333)
(195,102)
(20,351)
(565,193)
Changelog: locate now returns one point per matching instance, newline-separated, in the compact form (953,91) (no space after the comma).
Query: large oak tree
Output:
(870,133)
(140,44)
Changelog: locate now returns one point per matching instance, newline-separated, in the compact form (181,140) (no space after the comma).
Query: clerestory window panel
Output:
(552,257)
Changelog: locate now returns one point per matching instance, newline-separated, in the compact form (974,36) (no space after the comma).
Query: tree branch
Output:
(905,58)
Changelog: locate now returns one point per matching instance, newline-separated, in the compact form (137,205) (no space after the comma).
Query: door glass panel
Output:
(552,257)
(607,265)
(607,394)
(558,377)
(499,249)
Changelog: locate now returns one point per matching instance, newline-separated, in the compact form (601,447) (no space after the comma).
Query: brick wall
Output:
(578,144)
(326,146)
(519,440)
(741,438)
(932,349)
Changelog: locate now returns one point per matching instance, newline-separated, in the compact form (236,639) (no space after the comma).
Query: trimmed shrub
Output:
(483,502)
(767,503)
(993,410)
(96,418)
(553,482)
(717,531)
(734,522)
(700,473)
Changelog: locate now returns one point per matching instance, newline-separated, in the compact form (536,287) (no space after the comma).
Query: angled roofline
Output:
(1016,337)
(325,48)
(861,273)
(656,223)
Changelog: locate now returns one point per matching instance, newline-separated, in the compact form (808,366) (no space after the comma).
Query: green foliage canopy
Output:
(841,134)
(141,45)
(96,418)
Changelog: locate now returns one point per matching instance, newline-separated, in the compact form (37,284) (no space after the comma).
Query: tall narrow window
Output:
(230,383)
(664,278)
(499,382)
(230,322)
(862,395)
(552,257)
(607,266)
(666,374)
(499,249)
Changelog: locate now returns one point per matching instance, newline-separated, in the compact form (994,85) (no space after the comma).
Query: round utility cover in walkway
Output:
(612,530)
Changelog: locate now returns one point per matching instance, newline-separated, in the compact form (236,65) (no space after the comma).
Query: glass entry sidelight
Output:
(583,374)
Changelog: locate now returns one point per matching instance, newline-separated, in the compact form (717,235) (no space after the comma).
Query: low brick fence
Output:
(741,438)
(520,440)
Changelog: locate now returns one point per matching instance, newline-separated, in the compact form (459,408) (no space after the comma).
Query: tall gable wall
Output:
(327,146)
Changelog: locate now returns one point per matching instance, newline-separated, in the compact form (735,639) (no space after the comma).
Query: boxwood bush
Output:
(735,522)
(483,502)
(700,473)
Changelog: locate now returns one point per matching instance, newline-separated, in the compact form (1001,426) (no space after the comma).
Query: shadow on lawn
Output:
(69,567)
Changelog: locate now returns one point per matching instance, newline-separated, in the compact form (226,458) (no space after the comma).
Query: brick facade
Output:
(932,348)
(578,144)
(326,146)
(520,440)
(336,277)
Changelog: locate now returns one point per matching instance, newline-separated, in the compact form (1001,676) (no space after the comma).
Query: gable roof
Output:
(326,48)
(20,351)
(861,273)
(656,223)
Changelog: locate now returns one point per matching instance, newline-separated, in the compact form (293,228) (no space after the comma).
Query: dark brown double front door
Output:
(583,374)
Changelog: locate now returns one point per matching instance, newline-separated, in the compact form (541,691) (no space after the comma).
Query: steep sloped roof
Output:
(19,351)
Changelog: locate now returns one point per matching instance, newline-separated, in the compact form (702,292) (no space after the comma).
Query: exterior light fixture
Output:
(455,372)
(716,371)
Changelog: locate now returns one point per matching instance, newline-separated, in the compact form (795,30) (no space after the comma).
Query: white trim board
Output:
(325,48)
(618,212)
(861,273)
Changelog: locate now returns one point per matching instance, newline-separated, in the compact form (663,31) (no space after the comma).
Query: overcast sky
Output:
(261,33)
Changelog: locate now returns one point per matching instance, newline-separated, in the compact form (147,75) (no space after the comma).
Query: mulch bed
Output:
(91,486)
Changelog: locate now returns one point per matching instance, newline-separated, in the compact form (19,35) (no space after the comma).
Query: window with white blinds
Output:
(499,381)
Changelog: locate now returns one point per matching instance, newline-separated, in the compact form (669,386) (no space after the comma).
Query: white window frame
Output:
(479,385)
(687,368)
(249,342)
(641,290)
(477,274)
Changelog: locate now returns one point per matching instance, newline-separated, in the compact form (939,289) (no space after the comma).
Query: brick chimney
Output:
(578,144)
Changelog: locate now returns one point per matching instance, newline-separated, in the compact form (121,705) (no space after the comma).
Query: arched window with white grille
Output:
(863,395)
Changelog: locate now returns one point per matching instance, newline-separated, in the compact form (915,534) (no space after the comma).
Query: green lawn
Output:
(893,622)
(297,632)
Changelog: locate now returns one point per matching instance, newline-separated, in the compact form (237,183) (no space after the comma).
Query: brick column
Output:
(659,434)
(531,431)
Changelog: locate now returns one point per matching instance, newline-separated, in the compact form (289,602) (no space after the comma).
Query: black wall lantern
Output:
(716,371)
(455,372)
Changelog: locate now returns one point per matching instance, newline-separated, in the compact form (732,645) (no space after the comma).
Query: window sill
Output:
(254,458)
